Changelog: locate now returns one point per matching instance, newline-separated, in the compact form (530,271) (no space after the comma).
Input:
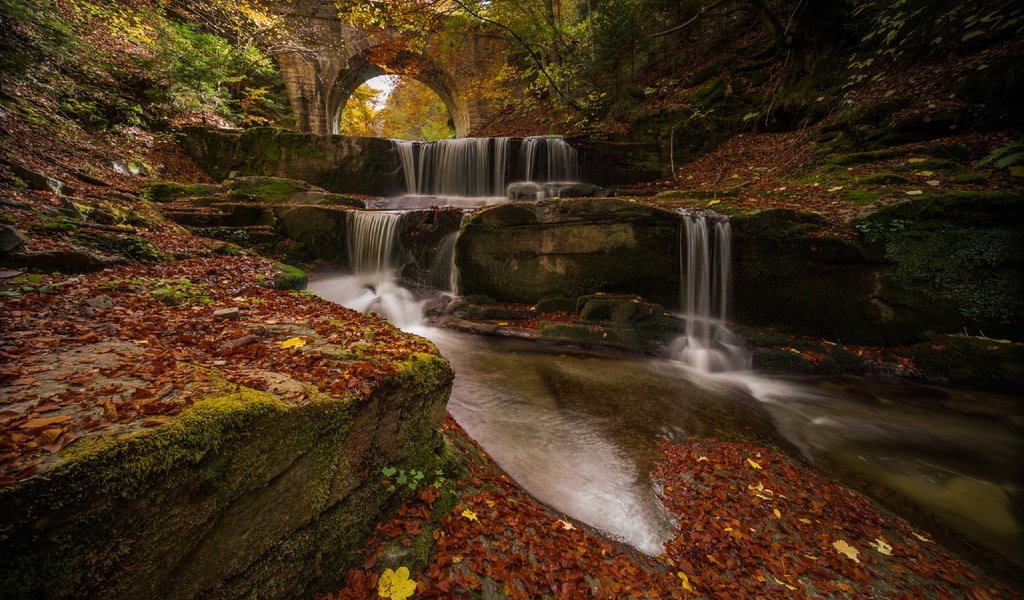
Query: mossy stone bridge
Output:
(324,60)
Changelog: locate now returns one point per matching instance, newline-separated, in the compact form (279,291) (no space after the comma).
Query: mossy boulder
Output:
(952,261)
(936,264)
(617,321)
(321,231)
(265,189)
(971,361)
(788,275)
(528,251)
(241,495)
(287,277)
(169,191)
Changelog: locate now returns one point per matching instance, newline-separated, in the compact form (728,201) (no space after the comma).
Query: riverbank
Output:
(751,522)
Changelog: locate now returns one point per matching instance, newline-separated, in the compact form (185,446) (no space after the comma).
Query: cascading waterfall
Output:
(705,262)
(470,167)
(374,248)
(444,272)
(554,153)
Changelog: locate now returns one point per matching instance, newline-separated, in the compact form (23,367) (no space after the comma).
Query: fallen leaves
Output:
(136,359)
(396,585)
(294,342)
(846,549)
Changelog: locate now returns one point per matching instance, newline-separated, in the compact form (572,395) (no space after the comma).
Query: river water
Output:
(579,431)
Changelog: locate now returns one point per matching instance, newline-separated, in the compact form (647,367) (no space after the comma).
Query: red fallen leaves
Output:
(730,542)
(164,350)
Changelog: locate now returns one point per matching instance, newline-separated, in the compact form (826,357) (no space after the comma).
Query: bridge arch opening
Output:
(362,68)
(396,107)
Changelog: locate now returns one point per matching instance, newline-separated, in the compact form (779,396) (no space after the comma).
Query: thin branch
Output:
(689,21)
(530,51)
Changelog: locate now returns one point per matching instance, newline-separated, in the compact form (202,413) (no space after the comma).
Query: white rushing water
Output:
(705,262)
(464,167)
(549,158)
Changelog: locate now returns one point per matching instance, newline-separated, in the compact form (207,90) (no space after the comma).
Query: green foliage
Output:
(205,73)
(1007,156)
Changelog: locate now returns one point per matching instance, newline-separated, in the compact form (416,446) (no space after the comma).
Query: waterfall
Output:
(444,273)
(472,167)
(705,262)
(373,242)
(374,251)
(553,153)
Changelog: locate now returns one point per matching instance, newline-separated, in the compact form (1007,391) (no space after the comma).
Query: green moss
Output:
(969,177)
(265,189)
(122,465)
(134,247)
(288,277)
(979,362)
(861,197)
(883,178)
(169,191)
(860,158)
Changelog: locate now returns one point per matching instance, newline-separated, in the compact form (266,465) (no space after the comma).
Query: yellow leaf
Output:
(503,324)
(753,464)
(396,585)
(489,503)
(781,582)
(924,173)
(701,458)
(293,343)
(844,548)
(778,515)
(470,515)
(1017,170)
(805,521)
(714,202)
(922,538)
(686,582)
(881,546)
(917,160)
(565,525)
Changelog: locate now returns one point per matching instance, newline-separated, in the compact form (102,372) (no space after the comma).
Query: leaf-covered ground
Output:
(124,347)
(751,523)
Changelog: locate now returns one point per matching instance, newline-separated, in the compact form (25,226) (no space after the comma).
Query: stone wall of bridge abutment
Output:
(323,60)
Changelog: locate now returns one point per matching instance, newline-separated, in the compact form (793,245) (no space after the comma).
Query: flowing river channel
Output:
(579,431)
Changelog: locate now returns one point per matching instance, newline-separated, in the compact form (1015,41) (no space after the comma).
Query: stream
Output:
(579,430)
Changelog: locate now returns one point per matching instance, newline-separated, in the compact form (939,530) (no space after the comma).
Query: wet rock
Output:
(525,190)
(39,181)
(11,239)
(528,251)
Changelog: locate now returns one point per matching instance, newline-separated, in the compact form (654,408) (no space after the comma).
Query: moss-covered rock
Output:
(527,251)
(940,263)
(321,231)
(169,191)
(265,189)
(616,321)
(339,164)
(287,277)
(241,495)
(971,361)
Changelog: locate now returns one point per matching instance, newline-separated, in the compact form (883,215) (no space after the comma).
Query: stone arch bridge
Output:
(324,60)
